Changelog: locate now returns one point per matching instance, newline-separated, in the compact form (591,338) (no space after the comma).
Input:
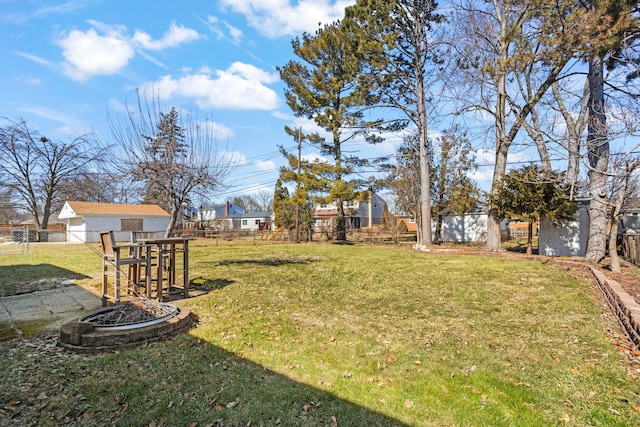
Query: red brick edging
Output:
(82,338)
(623,305)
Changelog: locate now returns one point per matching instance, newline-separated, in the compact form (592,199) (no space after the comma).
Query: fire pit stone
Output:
(84,336)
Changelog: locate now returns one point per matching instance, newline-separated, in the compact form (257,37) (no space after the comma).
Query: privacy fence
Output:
(631,248)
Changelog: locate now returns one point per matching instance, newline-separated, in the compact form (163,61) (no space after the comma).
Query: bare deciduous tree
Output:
(498,39)
(36,167)
(171,155)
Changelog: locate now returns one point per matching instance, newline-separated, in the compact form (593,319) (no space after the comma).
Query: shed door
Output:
(131,224)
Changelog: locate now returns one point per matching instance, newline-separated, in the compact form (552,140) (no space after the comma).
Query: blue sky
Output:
(66,63)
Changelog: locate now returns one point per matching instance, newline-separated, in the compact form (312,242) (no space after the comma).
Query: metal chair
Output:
(136,257)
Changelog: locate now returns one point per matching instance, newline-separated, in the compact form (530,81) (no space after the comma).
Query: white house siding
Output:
(91,227)
(76,230)
(567,239)
(371,210)
(464,228)
(85,220)
(251,221)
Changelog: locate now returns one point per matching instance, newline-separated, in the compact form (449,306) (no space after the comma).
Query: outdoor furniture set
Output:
(155,267)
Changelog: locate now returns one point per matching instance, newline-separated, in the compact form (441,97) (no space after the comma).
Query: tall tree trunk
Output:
(341,224)
(425,171)
(494,236)
(425,200)
(173,219)
(438,235)
(535,133)
(575,128)
(598,152)
(613,238)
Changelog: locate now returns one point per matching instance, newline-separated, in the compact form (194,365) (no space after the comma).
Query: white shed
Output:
(566,239)
(85,220)
(471,227)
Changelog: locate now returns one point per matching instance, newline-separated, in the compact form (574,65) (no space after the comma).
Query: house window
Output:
(131,224)
(244,222)
(324,206)
(257,222)
(412,220)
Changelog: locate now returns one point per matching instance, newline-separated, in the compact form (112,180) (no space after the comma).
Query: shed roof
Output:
(94,208)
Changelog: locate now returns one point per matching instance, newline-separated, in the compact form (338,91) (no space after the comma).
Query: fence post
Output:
(25,236)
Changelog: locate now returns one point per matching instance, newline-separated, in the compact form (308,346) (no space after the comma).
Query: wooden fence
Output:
(630,247)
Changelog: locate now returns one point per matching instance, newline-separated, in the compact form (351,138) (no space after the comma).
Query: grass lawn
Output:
(323,334)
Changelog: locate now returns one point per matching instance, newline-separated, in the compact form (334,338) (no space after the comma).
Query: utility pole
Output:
(298,189)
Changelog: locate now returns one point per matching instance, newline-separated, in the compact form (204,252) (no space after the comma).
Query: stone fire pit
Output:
(125,325)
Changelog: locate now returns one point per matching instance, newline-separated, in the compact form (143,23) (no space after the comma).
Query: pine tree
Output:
(529,195)
(402,61)
(325,86)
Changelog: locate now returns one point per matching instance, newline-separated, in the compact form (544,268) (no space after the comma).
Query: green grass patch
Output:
(47,265)
(320,334)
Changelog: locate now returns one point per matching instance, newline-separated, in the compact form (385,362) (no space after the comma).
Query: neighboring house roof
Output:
(76,208)
(630,204)
(53,219)
(253,215)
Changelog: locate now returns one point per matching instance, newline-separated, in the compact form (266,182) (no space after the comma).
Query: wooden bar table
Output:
(164,251)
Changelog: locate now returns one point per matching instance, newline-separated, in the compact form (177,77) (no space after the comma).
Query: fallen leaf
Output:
(409,403)
(614,412)
(565,418)
(636,408)
(334,421)
(417,362)
(576,370)
(555,358)
(231,404)
(390,358)
(568,402)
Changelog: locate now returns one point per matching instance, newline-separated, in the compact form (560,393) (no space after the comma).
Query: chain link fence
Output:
(15,240)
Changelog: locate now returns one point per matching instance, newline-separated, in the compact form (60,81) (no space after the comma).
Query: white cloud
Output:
(69,124)
(265,165)
(36,59)
(217,27)
(235,33)
(175,36)
(313,157)
(106,49)
(240,87)
(275,18)
(234,157)
(282,116)
(28,80)
(483,174)
(217,130)
(88,54)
